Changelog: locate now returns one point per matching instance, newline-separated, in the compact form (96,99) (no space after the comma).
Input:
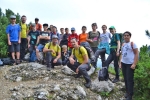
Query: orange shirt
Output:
(82,37)
(38,27)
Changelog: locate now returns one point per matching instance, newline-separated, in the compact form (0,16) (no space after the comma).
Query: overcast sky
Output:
(125,15)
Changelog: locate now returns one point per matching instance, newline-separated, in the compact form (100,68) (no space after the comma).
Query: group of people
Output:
(65,48)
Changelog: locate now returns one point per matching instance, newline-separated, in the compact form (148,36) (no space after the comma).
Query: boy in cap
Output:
(14,39)
(43,39)
(53,53)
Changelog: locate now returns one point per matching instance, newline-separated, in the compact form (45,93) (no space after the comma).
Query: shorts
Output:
(40,47)
(14,47)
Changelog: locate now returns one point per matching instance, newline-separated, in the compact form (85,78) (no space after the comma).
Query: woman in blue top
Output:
(103,47)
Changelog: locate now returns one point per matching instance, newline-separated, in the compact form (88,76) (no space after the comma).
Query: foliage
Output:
(142,75)
(4,21)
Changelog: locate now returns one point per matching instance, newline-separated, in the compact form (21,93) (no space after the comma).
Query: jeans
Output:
(50,59)
(102,54)
(128,75)
(23,47)
(112,57)
(40,47)
(82,69)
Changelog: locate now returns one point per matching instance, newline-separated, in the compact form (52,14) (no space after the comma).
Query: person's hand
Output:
(28,45)
(9,43)
(35,47)
(72,61)
(91,40)
(52,51)
(77,70)
(19,41)
(120,65)
(55,60)
(133,66)
(117,54)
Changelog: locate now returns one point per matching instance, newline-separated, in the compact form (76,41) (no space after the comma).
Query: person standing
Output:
(38,25)
(13,32)
(24,33)
(64,40)
(129,59)
(62,33)
(83,35)
(93,37)
(54,32)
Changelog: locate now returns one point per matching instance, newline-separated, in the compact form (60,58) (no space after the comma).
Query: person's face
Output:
(62,30)
(74,43)
(104,28)
(55,41)
(72,31)
(54,29)
(94,27)
(67,30)
(36,21)
(112,31)
(13,20)
(64,49)
(33,28)
(45,27)
(48,31)
(126,37)
(23,19)
(83,30)
(51,26)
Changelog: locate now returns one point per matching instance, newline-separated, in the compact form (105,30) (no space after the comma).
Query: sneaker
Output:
(115,80)
(88,84)
(17,61)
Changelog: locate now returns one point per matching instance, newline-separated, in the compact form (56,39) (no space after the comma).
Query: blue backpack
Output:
(33,56)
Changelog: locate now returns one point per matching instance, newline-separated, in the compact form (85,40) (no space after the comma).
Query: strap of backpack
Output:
(132,47)
(49,45)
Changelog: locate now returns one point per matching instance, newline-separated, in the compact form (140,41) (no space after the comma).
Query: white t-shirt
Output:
(128,53)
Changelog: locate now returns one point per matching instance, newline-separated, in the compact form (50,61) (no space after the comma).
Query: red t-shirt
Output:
(70,37)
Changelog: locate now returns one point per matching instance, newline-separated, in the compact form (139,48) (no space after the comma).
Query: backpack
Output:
(91,33)
(7,61)
(120,37)
(33,56)
(21,26)
(103,74)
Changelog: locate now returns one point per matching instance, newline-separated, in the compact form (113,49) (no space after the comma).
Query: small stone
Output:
(19,79)
(99,98)
(67,79)
(57,87)
(46,78)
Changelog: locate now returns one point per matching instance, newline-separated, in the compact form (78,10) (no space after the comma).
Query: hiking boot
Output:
(129,97)
(115,80)
(126,95)
(88,84)
(17,61)
(77,75)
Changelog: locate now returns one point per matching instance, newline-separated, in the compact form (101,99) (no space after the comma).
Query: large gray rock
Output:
(27,56)
(41,55)
(80,91)
(102,86)
(66,70)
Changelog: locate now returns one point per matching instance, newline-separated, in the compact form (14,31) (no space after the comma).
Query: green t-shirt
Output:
(113,42)
(95,38)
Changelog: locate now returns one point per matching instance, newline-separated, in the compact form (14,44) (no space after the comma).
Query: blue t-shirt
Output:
(14,32)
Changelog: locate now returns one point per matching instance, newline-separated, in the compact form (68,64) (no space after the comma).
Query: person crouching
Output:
(64,55)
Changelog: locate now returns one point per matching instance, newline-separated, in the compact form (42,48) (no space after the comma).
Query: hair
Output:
(49,29)
(74,39)
(66,28)
(64,46)
(55,27)
(127,33)
(83,27)
(61,28)
(104,26)
(23,16)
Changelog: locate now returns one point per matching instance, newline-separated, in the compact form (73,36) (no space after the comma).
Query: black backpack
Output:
(103,74)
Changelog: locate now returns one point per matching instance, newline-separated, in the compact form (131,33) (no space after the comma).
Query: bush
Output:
(142,75)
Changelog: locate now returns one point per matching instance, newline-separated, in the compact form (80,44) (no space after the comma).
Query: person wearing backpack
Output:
(44,38)
(38,25)
(53,53)
(13,32)
(93,37)
(33,40)
(103,46)
(129,59)
(24,33)
(114,52)
(82,64)
(83,35)
(54,32)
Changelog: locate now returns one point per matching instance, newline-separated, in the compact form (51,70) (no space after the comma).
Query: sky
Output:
(125,15)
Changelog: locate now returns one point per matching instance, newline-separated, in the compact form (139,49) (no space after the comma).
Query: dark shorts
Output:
(14,47)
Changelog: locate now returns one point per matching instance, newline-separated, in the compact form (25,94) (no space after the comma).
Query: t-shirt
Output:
(113,42)
(79,55)
(44,41)
(95,38)
(14,32)
(64,40)
(33,37)
(38,27)
(54,34)
(70,37)
(128,53)
(56,48)
(61,36)
(82,37)
(104,38)
(24,29)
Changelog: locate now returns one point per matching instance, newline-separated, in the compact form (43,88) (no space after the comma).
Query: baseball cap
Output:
(33,25)
(12,16)
(45,24)
(54,37)
(72,29)
(111,27)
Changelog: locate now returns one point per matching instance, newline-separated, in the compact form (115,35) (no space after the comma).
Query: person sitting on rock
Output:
(83,65)
(64,55)
(53,53)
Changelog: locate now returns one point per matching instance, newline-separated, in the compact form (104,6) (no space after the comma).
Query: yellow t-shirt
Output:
(24,29)
(56,48)
(79,55)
